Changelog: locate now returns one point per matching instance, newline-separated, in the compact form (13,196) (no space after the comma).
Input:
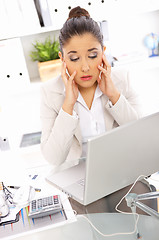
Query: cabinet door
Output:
(59,11)
(98,9)
(13,66)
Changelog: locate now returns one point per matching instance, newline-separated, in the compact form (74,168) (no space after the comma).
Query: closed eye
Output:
(74,59)
(93,55)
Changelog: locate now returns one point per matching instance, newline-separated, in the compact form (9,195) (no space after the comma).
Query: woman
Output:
(88,98)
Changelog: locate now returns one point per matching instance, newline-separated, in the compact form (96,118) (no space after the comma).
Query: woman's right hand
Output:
(71,90)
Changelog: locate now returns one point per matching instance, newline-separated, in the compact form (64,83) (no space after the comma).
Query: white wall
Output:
(127,32)
(146,83)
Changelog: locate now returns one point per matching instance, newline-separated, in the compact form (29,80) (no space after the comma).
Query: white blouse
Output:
(91,121)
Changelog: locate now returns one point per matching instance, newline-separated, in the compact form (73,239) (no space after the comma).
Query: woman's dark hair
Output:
(78,23)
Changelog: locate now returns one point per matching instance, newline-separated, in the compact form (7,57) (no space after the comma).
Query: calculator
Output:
(45,206)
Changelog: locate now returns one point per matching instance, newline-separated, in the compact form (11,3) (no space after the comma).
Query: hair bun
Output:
(78,12)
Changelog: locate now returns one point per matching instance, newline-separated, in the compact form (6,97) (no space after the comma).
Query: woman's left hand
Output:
(105,82)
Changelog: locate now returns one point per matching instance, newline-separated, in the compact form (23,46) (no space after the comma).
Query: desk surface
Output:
(107,223)
(100,212)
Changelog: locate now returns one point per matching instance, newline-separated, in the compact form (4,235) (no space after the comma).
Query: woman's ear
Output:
(60,56)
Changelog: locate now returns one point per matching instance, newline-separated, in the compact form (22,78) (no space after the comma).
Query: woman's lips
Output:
(86,78)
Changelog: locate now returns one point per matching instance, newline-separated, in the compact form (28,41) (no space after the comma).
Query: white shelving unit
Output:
(125,17)
(149,63)
(107,9)
(128,22)
(28,32)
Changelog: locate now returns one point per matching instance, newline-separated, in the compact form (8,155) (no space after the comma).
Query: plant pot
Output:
(49,69)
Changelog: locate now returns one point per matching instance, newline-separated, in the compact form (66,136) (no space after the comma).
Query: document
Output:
(25,225)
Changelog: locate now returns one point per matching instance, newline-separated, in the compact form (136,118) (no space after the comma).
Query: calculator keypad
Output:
(45,206)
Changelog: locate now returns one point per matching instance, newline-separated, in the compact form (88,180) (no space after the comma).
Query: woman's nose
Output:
(85,66)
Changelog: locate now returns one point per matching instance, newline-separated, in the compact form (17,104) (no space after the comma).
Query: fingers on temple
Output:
(63,73)
(107,64)
(102,69)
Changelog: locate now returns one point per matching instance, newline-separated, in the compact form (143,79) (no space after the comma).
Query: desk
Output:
(108,203)
(101,212)
(106,222)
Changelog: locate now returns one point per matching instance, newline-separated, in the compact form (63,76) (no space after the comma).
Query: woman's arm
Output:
(58,129)
(58,125)
(128,107)
(123,104)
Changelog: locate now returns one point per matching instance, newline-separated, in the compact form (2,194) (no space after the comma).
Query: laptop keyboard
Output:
(81,182)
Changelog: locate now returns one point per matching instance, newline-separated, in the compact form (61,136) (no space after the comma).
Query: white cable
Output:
(112,234)
(116,208)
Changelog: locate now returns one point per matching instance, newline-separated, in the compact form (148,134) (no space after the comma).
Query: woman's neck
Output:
(88,94)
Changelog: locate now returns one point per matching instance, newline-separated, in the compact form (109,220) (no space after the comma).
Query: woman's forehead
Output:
(83,42)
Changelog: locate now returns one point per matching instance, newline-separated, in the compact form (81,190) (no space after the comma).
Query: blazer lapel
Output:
(107,116)
(78,130)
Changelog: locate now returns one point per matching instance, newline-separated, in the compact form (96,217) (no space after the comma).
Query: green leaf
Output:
(48,50)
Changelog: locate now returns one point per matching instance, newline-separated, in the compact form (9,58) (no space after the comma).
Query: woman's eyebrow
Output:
(89,50)
(92,49)
(72,52)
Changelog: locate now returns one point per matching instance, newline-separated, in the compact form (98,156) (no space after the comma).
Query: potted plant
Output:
(46,54)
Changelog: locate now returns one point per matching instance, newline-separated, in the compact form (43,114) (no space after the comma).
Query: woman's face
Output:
(83,54)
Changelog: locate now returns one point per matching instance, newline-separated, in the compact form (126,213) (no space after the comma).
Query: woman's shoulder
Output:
(54,85)
(52,92)
(121,78)
(119,74)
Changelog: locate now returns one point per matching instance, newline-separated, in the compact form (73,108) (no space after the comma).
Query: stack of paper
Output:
(25,224)
(17,16)
(12,215)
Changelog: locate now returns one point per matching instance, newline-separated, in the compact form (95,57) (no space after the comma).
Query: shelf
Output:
(23,33)
(147,63)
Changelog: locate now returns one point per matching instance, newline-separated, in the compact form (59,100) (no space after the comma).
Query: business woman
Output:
(88,98)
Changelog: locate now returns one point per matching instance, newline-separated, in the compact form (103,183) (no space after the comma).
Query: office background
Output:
(27,21)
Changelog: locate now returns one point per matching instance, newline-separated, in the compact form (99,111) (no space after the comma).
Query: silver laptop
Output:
(114,160)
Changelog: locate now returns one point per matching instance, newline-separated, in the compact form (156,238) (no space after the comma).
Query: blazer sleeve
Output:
(128,107)
(58,129)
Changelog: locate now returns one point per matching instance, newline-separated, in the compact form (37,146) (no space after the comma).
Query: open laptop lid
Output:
(116,158)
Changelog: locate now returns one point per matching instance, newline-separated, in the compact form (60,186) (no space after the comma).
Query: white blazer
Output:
(61,142)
